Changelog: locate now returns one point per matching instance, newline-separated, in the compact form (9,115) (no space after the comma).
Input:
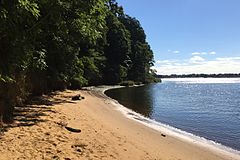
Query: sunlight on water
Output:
(202,80)
(206,107)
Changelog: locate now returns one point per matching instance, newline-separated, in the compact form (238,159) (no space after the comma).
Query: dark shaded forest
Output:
(48,45)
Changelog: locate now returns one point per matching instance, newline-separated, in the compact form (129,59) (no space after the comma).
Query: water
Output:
(206,107)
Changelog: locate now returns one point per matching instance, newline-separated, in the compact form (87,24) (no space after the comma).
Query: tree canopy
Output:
(48,45)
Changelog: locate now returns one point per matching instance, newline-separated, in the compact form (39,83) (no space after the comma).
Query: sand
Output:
(39,133)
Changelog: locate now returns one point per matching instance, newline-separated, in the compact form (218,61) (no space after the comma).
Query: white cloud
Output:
(212,53)
(198,65)
(204,53)
(166,62)
(199,53)
(176,51)
(196,59)
(228,59)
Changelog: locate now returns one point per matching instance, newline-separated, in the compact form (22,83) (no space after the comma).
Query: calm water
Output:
(207,107)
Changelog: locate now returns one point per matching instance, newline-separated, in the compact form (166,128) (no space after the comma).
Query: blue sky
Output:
(190,36)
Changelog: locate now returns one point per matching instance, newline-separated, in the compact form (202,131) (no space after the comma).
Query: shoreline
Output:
(175,132)
(169,130)
(106,133)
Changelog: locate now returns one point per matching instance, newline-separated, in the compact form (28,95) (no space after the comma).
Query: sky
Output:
(190,36)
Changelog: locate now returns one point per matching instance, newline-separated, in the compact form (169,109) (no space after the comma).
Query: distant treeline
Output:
(48,45)
(230,75)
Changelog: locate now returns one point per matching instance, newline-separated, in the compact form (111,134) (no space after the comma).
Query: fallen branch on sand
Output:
(76,130)
(69,128)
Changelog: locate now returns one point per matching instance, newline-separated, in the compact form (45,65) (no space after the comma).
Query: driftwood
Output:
(163,135)
(76,97)
(76,130)
(69,128)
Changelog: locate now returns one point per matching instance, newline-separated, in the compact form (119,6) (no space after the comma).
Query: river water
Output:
(205,107)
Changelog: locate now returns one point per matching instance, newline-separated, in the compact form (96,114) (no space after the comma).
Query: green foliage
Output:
(127,83)
(29,6)
(38,60)
(141,54)
(50,45)
(77,82)
(117,50)
(5,79)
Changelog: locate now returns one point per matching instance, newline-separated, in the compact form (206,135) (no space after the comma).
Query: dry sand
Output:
(39,133)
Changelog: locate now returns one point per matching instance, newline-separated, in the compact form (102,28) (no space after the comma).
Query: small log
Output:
(163,135)
(76,130)
(76,97)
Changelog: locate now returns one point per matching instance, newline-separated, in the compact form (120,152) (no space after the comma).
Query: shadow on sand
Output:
(34,110)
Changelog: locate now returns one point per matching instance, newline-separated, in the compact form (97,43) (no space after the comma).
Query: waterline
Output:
(168,129)
(174,132)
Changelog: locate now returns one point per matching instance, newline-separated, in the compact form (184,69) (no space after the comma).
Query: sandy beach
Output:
(39,132)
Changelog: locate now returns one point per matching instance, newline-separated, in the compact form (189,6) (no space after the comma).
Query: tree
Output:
(141,55)
(16,48)
(117,51)
(51,45)
(72,29)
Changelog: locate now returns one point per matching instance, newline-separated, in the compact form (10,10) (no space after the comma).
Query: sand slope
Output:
(39,133)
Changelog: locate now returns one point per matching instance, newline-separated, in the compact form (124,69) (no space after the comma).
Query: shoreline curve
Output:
(170,130)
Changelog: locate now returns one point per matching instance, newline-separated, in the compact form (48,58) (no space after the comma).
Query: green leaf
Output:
(30,7)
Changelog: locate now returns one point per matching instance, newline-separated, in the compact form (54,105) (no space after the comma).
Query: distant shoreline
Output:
(230,75)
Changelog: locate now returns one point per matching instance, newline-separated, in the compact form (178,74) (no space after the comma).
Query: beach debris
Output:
(76,97)
(163,135)
(76,130)
(72,127)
